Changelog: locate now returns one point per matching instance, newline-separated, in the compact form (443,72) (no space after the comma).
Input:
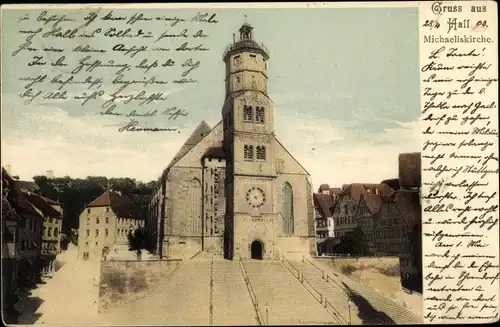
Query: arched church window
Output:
(259,114)
(247,113)
(288,221)
(248,152)
(261,152)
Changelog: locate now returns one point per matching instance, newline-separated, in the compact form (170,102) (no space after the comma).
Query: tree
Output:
(138,240)
(353,243)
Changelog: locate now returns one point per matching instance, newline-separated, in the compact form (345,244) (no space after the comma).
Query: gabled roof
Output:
(323,187)
(120,204)
(28,186)
(336,190)
(45,208)
(325,204)
(16,199)
(288,152)
(196,136)
(392,183)
(50,201)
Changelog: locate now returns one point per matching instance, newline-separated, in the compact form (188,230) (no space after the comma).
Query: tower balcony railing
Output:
(245,44)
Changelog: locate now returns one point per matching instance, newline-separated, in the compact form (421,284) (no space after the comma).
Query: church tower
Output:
(248,123)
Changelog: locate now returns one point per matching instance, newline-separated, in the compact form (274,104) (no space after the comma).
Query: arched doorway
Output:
(256,250)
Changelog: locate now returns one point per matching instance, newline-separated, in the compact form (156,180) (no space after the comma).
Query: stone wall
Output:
(380,273)
(124,281)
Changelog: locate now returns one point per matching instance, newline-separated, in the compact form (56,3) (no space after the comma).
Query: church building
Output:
(233,189)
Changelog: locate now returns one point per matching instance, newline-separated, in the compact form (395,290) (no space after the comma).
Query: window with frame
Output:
(259,115)
(261,152)
(49,234)
(97,220)
(107,220)
(96,232)
(248,152)
(247,113)
(106,232)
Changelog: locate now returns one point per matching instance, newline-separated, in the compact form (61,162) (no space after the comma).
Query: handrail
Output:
(259,316)
(303,257)
(337,314)
(322,300)
(210,298)
(283,259)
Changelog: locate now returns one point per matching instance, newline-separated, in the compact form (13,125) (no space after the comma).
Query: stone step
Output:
(231,301)
(374,308)
(288,302)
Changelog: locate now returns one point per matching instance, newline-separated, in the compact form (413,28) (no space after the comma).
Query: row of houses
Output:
(31,236)
(387,212)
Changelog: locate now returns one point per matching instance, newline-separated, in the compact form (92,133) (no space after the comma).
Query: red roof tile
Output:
(325,203)
(15,197)
(121,205)
(45,208)
(323,187)
(336,190)
(50,201)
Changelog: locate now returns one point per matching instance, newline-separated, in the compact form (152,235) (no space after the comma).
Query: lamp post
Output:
(267,313)
(349,303)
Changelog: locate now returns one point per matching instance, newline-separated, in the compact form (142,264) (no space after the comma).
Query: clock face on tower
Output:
(256,197)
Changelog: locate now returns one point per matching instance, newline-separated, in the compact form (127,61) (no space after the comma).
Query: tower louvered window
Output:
(261,152)
(247,113)
(259,115)
(248,152)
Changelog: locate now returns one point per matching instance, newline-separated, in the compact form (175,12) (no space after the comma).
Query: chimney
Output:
(49,174)
(8,169)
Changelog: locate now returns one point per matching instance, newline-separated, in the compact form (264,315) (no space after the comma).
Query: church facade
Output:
(233,189)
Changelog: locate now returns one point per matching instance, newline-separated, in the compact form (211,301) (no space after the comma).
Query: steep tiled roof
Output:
(392,183)
(323,187)
(15,197)
(50,201)
(45,208)
(410,169)
(121,205)
(408,203)
(27,186)
(325,203)
(198,134)
(336,190)
(373,202)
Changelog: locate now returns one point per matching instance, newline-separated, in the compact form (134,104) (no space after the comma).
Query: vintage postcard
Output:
(250,164)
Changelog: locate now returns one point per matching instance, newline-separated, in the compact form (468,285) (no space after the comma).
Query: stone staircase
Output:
(180,299)
(372,307)
(333,292)
(231,302)
(288,302)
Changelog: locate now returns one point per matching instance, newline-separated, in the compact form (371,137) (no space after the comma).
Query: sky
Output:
(345,83)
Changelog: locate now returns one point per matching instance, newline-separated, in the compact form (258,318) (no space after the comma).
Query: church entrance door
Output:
(256,250)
